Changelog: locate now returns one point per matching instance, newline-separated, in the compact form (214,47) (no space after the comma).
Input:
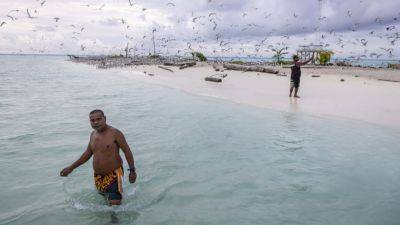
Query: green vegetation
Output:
(325,57)
(237,62)
(115,56)
(286,62)
(199,55)
(279,54)
(394,66)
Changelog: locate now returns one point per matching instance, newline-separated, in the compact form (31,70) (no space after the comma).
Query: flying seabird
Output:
(29,15)
(12,18)
(101,7)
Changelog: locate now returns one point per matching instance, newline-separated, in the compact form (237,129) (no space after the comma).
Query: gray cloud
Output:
(110,22)
(45,28)
(246,27)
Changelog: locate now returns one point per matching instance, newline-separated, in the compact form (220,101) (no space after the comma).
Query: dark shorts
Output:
(295,83)
(112,193)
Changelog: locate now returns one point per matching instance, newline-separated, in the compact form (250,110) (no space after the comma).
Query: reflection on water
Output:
(293,104)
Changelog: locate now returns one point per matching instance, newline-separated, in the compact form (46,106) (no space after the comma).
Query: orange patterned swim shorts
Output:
(103,182)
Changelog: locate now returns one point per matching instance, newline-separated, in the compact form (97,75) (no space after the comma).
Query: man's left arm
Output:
(120,138)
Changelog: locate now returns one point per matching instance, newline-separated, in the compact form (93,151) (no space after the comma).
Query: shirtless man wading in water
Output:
(105,142)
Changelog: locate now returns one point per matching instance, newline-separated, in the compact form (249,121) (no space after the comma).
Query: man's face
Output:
(97,121)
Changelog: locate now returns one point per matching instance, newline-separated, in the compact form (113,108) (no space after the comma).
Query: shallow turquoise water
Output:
(200,160)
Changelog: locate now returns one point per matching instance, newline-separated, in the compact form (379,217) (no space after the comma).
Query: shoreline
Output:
(360,96)
(102,62)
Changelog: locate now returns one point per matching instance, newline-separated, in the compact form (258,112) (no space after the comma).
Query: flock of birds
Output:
(209,33)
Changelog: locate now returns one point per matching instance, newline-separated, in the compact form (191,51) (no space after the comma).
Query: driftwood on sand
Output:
(216,77)
(213,79)
(388,80)
(217,67)
(165,68)
(230,66)
(187,65)
(182,65)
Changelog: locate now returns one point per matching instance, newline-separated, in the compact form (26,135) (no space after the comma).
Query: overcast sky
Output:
(359,28)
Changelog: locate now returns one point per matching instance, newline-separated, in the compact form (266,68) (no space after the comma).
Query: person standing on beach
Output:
(104,144)
(295,75)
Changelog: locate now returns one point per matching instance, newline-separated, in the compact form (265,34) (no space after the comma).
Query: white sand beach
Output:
(361,96)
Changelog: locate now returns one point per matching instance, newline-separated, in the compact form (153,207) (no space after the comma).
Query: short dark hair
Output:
(97,111)
(296,57)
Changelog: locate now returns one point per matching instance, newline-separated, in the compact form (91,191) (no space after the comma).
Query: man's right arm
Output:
(84,158)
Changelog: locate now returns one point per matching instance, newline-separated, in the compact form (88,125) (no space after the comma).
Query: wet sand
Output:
(360,96)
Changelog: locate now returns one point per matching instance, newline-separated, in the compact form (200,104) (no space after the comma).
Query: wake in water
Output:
(83,199)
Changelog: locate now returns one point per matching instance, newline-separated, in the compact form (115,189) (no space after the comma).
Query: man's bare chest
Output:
(101,144)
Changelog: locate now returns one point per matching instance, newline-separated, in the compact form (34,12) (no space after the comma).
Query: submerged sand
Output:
(360,96)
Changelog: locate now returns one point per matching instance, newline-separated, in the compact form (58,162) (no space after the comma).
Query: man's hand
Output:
(66,171)
(132,177)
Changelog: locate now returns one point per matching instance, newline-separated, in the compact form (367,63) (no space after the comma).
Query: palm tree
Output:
(279,53)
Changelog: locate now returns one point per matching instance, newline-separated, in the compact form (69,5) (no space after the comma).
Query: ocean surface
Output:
(200,160)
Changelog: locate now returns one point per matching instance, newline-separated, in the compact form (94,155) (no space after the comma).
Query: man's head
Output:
(97,120)
(296,58)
